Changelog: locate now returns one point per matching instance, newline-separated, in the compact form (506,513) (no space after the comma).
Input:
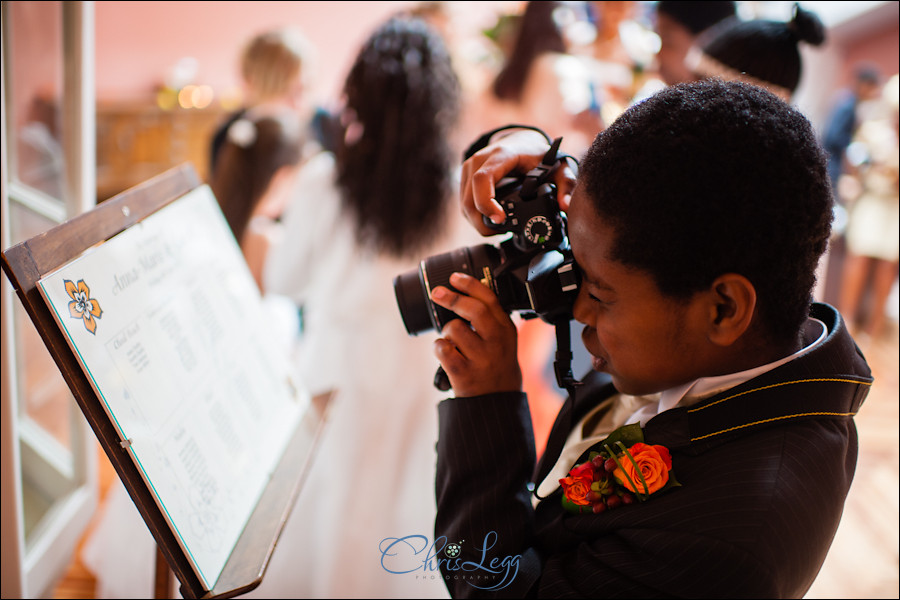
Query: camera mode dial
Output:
(538,230)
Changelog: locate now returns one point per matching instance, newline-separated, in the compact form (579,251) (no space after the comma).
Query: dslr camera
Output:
(532,271)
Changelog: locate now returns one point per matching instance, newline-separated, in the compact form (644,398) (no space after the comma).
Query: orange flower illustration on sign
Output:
(82,305)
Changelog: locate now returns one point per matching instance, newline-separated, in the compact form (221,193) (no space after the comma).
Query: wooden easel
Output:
(25,264)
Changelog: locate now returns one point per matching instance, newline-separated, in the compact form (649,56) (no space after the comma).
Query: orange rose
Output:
(577,485)
(576,490)
(653,463)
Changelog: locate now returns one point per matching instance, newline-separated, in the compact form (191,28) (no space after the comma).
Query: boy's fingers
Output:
(480,291)
(471,309)
(565,178)
(449,355)
(478,198)
(476,303)
(520,151)
(463,337)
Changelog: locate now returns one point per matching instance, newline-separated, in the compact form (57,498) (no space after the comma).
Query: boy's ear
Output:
(732,305)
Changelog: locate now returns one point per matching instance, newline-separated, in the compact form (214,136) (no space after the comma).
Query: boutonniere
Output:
(624,471)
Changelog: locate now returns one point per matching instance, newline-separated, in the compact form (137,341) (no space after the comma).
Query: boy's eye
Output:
(596,299)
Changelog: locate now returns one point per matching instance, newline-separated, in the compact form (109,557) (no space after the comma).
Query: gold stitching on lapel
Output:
(811,414)
(690,410)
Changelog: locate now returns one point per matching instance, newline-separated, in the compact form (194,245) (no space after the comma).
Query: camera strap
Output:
(562,365)
(541,173)
(485,138)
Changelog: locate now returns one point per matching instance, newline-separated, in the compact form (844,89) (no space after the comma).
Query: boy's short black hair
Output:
(715,177)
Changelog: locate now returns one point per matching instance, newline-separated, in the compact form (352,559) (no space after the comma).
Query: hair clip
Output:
(242,133)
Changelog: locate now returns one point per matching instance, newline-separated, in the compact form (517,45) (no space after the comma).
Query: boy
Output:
(697,223)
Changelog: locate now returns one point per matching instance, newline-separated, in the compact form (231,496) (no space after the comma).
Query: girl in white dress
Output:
(357,219)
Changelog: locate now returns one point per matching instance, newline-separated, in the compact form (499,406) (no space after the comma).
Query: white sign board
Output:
(170,329)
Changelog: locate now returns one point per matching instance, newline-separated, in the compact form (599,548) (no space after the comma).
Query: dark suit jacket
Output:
(764,469)
(839,133)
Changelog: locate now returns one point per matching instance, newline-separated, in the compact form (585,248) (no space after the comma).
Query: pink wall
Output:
(137,43)
(34,56)
(882,49)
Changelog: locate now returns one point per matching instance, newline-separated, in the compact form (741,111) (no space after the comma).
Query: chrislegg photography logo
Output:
(415,555)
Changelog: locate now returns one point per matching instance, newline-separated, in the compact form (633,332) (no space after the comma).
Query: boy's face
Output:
(646,341)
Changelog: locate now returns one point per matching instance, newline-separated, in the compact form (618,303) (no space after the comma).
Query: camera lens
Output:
(413,303)
(413,289)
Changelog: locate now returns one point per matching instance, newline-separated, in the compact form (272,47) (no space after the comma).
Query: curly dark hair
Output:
(537,34)
(716,177)
(396,178)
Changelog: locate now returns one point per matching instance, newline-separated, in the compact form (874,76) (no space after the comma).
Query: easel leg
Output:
(322,401)
(163,581)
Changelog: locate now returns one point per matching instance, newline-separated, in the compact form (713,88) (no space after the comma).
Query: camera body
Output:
(532,271)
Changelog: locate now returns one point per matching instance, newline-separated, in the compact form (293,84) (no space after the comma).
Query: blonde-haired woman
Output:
(276,72)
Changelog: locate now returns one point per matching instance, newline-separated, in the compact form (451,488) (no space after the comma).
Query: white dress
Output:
(873,228)
(373,476)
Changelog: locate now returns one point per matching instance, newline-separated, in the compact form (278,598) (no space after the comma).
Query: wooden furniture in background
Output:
(139,140)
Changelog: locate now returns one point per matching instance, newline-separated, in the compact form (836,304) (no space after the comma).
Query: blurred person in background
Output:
(761,52)
(873,234)
(472,54)
(622,50)
(257,162)
(678,24)
(358,217)
(607,17)
(840,128)
(844,120)
(542,83)
(276,68)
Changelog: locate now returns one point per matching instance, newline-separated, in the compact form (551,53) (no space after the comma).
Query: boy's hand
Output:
(479,357)
(516,152)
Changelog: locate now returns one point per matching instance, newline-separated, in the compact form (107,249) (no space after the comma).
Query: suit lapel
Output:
(555,442)
(595,388)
